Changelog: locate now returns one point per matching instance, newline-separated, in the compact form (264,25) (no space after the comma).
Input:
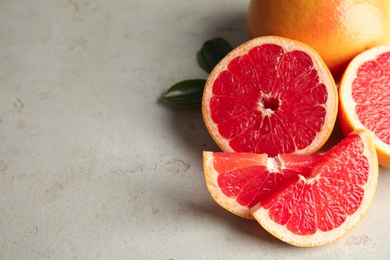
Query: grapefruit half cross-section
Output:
(270,95)
(365,98)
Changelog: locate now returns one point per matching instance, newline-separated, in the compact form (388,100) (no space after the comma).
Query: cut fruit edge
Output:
(272,165)
(288,45)
(347,115)
(279,231)
(320,237)
(211,176)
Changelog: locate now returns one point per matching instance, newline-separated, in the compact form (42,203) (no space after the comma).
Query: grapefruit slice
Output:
(270,95)
(238,181)
(304,200)
(365,98)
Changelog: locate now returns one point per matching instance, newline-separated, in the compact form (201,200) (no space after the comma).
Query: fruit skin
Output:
(289,164)
(288,45)
(349,170)
(347,117)
(338,30)
(346,128)
(321,238)
(383,156)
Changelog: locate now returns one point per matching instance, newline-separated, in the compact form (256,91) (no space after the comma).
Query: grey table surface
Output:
(94,166)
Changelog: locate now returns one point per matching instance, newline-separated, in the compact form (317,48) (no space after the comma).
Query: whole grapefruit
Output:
(338,29)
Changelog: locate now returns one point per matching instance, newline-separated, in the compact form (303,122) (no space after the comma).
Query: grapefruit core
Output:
(304,200)
(270,95)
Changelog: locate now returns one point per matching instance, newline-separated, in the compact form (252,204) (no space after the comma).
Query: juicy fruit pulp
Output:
(306,200)
(365,98)
(374,77)
(270,96)
(256,182)
(324,25)
(244,179)
(324,199)
(264,107)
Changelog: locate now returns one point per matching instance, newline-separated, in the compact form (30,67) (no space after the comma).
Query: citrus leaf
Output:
(186,93)
(212,52)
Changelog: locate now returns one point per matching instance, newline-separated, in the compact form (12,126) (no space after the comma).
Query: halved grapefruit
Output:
(304,200)
(364,95)
(270,95)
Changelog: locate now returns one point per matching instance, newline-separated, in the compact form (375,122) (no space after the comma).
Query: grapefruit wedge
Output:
(270,95)
(304,200)
(365,98)
(239,181)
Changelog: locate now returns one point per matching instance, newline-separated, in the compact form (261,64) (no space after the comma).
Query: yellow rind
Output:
(323,238)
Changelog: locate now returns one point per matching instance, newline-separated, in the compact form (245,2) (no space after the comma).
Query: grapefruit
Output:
(338,30)
(238,181)
(270,95)
(304,200)
(364,94)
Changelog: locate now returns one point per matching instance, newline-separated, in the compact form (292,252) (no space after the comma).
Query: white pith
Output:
(211,176)
(320,237)
(274,164)
(331,105)
(348,103)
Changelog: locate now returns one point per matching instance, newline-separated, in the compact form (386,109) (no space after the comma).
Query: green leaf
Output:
(186,93)
(212,52)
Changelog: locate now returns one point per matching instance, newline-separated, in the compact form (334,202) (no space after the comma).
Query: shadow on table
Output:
(238,225)
(230,25)
(188,128)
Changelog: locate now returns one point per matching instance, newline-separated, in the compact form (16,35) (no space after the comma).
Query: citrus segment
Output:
(304,200)
(320,208)
(270,95)
(365,98)
(238,181)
